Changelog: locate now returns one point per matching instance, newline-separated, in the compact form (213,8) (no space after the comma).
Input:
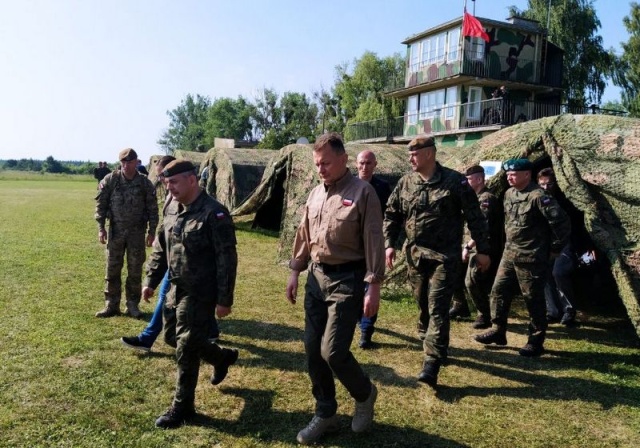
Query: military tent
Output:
(235,172)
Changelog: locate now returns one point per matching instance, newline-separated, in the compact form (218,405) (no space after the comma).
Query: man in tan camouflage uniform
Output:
(197,243)
(536,229)
(128,200)
(432,203)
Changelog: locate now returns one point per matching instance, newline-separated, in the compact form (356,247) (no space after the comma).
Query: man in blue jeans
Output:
(144,341)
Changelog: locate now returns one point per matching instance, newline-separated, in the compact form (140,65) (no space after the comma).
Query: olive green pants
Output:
(333,304)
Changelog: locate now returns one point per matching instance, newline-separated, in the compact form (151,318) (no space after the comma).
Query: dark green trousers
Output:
(531,279)
(433,283)
(193,325)
(333,304)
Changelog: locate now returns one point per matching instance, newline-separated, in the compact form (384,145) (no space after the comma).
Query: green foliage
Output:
(360,92)
(187,127)
(229,118)
(51,165)
(627,69)
(574,26)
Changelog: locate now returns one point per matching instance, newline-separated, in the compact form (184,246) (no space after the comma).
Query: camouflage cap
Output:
(127,155)
(421,142)
(474,170)
(177,167)
(517,165)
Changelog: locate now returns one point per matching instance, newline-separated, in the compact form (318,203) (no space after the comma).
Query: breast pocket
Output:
(440,203)
(194,235)
(524,214)
(346,224)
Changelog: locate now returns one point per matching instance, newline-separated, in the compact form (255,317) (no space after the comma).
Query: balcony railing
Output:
(493,112)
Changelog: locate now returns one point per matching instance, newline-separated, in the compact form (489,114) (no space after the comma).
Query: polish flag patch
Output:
(347,202)
(220,215)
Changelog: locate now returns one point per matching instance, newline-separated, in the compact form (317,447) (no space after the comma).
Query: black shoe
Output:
(135,343)
(365,342)
(229,358)
(481,322)
(531,350)
(552,319)
(569,318)
(175,417)
(491,337)
(459,310)
(429,373)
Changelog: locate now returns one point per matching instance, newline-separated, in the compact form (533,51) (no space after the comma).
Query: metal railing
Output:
(492,112)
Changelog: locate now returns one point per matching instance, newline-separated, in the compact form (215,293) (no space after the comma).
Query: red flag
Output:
(472,27)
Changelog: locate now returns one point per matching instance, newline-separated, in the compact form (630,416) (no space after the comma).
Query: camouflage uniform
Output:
(535,226)
(478,284)
(433,213)
(131,208)
(197,243)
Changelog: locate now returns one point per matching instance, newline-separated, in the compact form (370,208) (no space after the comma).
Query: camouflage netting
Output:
(234,173)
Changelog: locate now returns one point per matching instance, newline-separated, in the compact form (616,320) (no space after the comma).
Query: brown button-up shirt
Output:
(341,223)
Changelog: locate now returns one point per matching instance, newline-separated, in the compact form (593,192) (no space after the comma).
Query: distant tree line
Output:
(49,165)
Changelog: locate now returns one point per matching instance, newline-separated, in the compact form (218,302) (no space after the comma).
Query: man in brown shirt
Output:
(341,235)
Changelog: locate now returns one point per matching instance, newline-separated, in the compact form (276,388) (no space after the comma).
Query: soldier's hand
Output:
(222,311)
(102,236)
(292,287)
(147,293)
(372,300)
(483,262)
(390,256)
(150,240)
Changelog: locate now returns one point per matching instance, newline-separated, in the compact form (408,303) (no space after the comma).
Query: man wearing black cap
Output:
(432,203)
(197,244)
(128,200)
(536,227)
(478,284)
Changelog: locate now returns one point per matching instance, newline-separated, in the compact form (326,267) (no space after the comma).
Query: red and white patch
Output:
(347,202)
(220,215)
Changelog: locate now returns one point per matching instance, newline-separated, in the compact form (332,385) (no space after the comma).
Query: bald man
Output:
(366,164)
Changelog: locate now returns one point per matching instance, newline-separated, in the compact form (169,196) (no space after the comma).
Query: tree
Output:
(627,67)
(187,128)
(51,165)
(267,115)
(329,113)
(229,118)
(573,26)
(361,93)
(299,115)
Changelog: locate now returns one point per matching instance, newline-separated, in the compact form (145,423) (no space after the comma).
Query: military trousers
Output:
(478,284)
(193,326)
(132,243)
(333,304)
(433,282)
(531,278)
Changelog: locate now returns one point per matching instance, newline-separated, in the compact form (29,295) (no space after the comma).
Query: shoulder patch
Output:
(485,203)
(347,202)
(546,200)
(220,215)
(464,181)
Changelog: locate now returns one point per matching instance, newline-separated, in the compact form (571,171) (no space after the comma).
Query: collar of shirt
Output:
(344,180)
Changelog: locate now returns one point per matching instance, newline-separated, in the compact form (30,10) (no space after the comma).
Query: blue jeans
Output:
(154,328)
(367,324)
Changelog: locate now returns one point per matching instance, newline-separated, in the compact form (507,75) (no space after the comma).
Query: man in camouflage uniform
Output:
(432,203)
(536,227)
(128,200)
(197,243)
(478,284)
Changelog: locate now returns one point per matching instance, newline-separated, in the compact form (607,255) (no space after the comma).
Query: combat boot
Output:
(459,310)
(175,417)
(429,373)
(493,336)
(482,321)
(363,414)
(220,370)
(316,428)
(110,309)
(133,310)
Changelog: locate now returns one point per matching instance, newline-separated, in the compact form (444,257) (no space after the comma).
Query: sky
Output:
(83,79)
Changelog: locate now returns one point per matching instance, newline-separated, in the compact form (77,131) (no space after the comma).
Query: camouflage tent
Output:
(279,199)
(235,172)
(597,163)
(196,157)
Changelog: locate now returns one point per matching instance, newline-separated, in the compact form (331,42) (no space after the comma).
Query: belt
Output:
(342,267)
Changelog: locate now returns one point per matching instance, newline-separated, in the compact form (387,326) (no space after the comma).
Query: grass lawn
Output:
(66,380)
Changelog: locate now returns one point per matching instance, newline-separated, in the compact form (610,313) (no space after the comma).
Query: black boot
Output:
(175,417)
(493,336)
(459,309)
(429,373)
(220,370)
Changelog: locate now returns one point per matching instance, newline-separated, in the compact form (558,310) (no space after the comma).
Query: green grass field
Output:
(66,380)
